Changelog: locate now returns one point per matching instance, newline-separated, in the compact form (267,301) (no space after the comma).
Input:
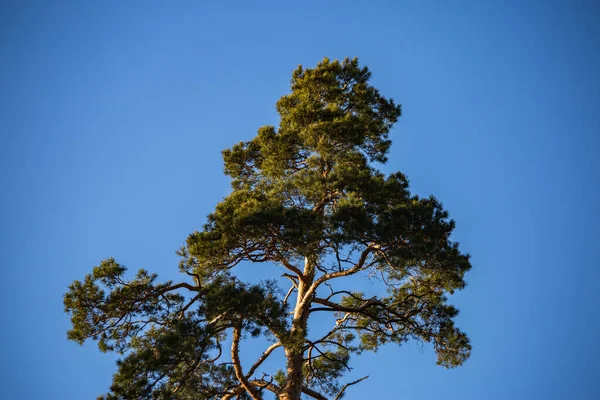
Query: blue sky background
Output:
(113,116)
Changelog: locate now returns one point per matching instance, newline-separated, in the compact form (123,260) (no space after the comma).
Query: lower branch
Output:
(235,357)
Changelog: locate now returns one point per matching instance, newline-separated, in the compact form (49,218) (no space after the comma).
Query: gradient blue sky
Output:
(113,116)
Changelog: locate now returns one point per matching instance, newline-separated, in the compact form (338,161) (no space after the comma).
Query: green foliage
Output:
(115,318)
(306,196)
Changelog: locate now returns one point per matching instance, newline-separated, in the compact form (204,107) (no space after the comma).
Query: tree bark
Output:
(235,357)
(294,349)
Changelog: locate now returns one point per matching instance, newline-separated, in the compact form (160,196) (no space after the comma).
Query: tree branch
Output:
(337,307)
(188,305)
(288,265)
(341,393)
(356,268)
(287,296)
(262,358)
(261,383)
(235,357)
(312,393)
(179,286)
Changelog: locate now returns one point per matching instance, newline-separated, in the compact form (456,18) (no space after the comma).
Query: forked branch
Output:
(360,264)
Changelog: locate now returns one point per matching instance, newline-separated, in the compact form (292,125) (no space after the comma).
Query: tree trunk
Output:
(294,350)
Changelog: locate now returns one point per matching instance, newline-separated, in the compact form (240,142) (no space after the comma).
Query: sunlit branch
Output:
(338,274)
(313,394)
(262,358)
(281,259)
(235,357)
(287,296)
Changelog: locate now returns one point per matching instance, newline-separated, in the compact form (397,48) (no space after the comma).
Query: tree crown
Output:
(306,196)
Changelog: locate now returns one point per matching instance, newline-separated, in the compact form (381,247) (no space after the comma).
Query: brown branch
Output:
(341,393)
(326,342)
(312,393)
(179,286)
(289,266)
(343,292)
(188,305)
(194,366)
(338,274)
(387,320)
(261,383)
(235,357)
(336,328)
(195,276)
(235,392)
(323,202)
(287,296)
(324,355)
(337,307)
(292,279)
(266,385)
(262,358)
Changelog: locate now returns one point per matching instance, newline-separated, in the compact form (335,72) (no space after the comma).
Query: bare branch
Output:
(292,279)
(287,296)
(266,385)
(356,268)
(313,394)
(324,355)
(280,258)
(337,307)
(262,358)
(195,276)
(179,286)
(341,393)
(188,305)
(235,357)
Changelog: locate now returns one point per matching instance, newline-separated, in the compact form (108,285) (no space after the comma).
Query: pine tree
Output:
(307,197)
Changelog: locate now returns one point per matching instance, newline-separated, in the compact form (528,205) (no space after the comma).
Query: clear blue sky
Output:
(112,119)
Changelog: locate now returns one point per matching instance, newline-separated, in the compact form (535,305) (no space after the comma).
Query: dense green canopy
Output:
(306,196)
